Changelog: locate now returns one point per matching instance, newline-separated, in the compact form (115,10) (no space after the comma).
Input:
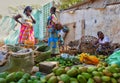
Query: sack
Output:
(114,58)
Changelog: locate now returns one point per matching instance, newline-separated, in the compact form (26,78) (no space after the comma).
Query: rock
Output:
(46,67)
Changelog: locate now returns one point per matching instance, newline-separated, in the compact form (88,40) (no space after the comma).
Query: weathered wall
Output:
(99,19)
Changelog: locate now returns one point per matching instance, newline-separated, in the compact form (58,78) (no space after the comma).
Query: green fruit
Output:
(53,79)
(115,75)
(91,69)
(90,80)
(113,80)
(72,72)
(29,81)
(73,80)
(54,69)
(65,78)
(95,73)
(105,78)
(43,80)
(107,72)
(97,79)
(86,75)
(36,81)
(83,69)
(60,71)
(81,79)
(18,75)
(11,77)
(67,68)
(114,65)
(111,69)
(3,74)
(26,76)
(12,82)
(2,80)
(21,81)
(100,68)
(49,75)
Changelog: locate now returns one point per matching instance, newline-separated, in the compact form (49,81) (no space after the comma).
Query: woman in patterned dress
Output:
(27,21)
(53,32)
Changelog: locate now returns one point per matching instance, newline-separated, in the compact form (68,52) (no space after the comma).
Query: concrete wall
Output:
(99,19)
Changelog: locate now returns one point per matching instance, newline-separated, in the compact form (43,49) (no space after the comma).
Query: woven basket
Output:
(87,44)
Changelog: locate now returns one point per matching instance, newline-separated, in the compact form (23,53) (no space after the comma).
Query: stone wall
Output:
(95,19)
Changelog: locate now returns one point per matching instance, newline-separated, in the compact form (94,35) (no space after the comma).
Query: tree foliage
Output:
(68,3)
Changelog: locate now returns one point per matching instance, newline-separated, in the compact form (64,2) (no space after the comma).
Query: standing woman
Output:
(52,32)
(27,21)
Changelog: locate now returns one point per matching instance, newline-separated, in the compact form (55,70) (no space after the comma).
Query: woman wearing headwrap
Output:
(27,21)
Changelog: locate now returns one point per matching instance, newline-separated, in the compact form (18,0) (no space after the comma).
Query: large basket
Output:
(42,53)
(87,44)
(20,61)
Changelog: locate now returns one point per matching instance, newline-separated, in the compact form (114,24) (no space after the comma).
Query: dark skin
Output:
(101,36)
(28,13)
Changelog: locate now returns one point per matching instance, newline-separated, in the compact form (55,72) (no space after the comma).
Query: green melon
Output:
(60,71)
(21,81)
(65,78)
(2,80)
(105,78)
(10,77)
(18,75)
(72,72)
(53,79)
(73,80)
(3,74)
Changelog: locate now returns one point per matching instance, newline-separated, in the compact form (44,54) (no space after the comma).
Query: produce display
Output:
(65,60)
(81,68)
(19,77)
(80,74)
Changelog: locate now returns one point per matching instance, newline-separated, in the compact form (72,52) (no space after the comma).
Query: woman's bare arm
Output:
(17,17)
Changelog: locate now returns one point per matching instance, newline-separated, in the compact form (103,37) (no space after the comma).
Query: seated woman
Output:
(103,43)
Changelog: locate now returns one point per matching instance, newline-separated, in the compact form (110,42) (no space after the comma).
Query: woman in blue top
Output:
(53,32)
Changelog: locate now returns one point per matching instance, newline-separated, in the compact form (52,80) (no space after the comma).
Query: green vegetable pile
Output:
(63,61)
(80,74)
(19,77)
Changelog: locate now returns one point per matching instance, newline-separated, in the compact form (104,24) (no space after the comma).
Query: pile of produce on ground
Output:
(65,60)
(80,74)
(20,77)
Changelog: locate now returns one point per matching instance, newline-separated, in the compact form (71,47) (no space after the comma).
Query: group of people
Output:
(55,35)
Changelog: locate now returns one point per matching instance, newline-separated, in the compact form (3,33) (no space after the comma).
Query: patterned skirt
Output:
(53,41)
(26,33)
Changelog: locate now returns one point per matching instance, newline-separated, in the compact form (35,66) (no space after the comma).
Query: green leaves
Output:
(68,3)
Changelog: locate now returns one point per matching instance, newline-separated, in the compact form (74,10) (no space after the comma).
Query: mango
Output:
(105,78)
(90,80)
(60,71)
(65,78)
(53,79)
(113,80)
(86,75)
(81,79)
(72,72)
